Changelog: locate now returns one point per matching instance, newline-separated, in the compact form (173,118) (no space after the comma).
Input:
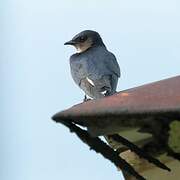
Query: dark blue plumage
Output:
(95,70)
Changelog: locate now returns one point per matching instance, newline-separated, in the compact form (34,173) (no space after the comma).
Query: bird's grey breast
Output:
(79,67)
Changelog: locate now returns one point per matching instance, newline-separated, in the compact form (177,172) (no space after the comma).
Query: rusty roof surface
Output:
(161,96)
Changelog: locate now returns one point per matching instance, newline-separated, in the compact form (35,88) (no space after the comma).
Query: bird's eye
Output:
(82,39)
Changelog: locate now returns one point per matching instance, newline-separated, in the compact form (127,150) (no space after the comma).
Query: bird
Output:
(93,68)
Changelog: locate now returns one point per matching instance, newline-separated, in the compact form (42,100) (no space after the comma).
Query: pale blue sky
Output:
(36,81)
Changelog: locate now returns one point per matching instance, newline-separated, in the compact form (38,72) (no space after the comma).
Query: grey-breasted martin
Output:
(94,69)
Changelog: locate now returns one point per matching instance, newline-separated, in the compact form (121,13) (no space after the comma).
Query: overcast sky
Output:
(36,82)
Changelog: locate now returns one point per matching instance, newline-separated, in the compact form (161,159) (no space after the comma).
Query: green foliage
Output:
(174,136)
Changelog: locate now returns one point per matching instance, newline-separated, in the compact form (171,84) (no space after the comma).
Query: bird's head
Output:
(85,40)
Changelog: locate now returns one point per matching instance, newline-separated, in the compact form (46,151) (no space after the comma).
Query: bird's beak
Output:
(71,42)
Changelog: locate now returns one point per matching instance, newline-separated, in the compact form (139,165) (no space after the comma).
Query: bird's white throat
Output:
(79,50)
(81,47)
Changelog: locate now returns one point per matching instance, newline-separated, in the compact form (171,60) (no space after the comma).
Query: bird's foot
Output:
(86,99)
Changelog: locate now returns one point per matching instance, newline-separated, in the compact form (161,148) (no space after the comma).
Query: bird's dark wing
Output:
(112,64)
(102,62)
(104,68)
